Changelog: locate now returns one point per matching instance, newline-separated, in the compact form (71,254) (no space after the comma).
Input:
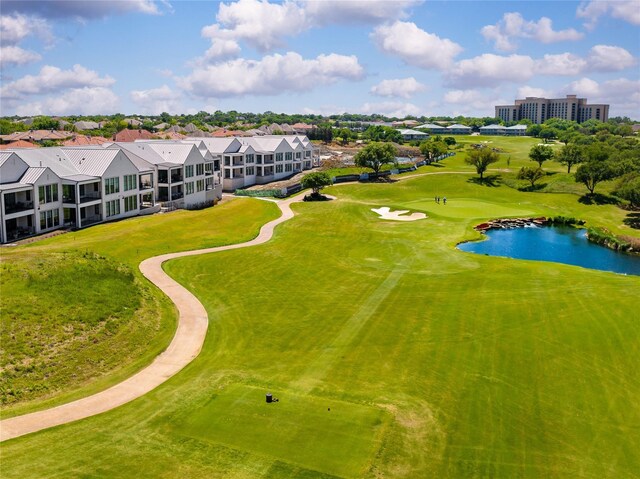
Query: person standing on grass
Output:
(444,200)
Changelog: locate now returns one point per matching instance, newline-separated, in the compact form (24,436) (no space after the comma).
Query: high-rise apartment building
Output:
(540,109)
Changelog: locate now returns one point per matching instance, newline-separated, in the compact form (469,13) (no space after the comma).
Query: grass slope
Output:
(77,316)
(445,364)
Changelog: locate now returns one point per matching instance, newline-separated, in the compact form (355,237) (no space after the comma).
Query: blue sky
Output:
(401,57)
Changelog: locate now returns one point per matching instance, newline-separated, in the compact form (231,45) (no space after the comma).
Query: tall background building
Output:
(540,109)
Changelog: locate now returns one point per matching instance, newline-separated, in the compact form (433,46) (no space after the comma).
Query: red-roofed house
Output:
(19,144)
(84,140)
(133,135)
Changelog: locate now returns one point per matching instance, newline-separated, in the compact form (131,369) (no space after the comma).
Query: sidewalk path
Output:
(185,346)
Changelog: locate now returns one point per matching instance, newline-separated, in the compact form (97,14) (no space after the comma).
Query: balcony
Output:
(176,177)
(145,185)
(15,234)
(17,207)
(91,196)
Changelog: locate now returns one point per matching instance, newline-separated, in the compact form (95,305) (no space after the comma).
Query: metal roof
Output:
(493,127)
(91,161)
(174,152)
(53,158)
(14,186)
(32,174)
(458,126)
(79,178)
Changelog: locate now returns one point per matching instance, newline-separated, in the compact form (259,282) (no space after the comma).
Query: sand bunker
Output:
(386,214)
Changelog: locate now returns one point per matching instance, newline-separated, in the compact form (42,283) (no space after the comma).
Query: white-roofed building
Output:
(457,129)
(516,130)
(408,135)
(432,127)
(248,161)
(493,130)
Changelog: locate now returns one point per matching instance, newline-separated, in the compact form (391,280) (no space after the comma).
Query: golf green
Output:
(467,208)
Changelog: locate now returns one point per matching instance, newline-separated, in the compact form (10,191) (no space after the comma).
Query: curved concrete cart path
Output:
(185,346)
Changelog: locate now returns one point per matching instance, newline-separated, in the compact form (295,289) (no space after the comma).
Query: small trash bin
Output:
(269,397)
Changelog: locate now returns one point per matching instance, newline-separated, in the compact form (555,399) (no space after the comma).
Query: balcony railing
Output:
(176,178)
(18,206)
(19,233)
(146,185)
(91,221)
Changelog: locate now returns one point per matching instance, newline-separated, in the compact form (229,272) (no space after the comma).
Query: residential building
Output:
(127,135)
(44,189)
(433,128)
(493,130)
(247,161)
(457,129)
(538,110)
(409,135)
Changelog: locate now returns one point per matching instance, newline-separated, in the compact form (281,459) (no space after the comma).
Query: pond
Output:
(553,243)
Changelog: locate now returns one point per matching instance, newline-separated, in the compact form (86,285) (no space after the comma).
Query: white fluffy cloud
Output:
(488,69)
(85,9)
(272,75)
(324,12)
(221,50)
(404,88)
(391,109)
(15,28)
(415,46)
(627,10)
(561,64)
(513,26)
(472,101)
(607,58)
(157,100)
(265,25)
(53,79)
(259,23)
(12,55)
(76,101)
(525,91)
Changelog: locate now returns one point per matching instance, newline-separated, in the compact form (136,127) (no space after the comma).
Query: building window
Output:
(111,185)
(298,155)
(227,173)
(250,170)
(189,188)
(49,219)
(208,183)
(288,156)
(288,167)
(130,203)
(307,154)
(278,168)
(199,185)
(47,193)
(113,208)
(200,169)
(249,158)
(129,182)
(188,171)
(278,156)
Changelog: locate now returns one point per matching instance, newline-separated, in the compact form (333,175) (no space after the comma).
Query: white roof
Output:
(413,132)
(173,152)
(91,161)
(493,127)
(32,174)
(457,126)
(431,126)
(517,127)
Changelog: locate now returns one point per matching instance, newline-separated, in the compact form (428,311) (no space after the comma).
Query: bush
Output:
(566,221)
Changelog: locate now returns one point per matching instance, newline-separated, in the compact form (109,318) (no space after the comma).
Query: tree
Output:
(540,153)
(570,155)
(593,172)
(548,133)
(449,140)
(629,189)
(481,159)
(433,149)
(534,130)
(624,130)
(316,181)
(376,154)
(530,174)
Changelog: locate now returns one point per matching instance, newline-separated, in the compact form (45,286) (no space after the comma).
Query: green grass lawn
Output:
(77,316)
(436,363)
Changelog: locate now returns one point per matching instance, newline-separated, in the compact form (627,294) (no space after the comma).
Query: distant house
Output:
(132,122)
(86,125)
(457,129)
(409,135)
(433,128)
(19,144)
(37,135)
(132,135)
(84,140)
(161,126)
